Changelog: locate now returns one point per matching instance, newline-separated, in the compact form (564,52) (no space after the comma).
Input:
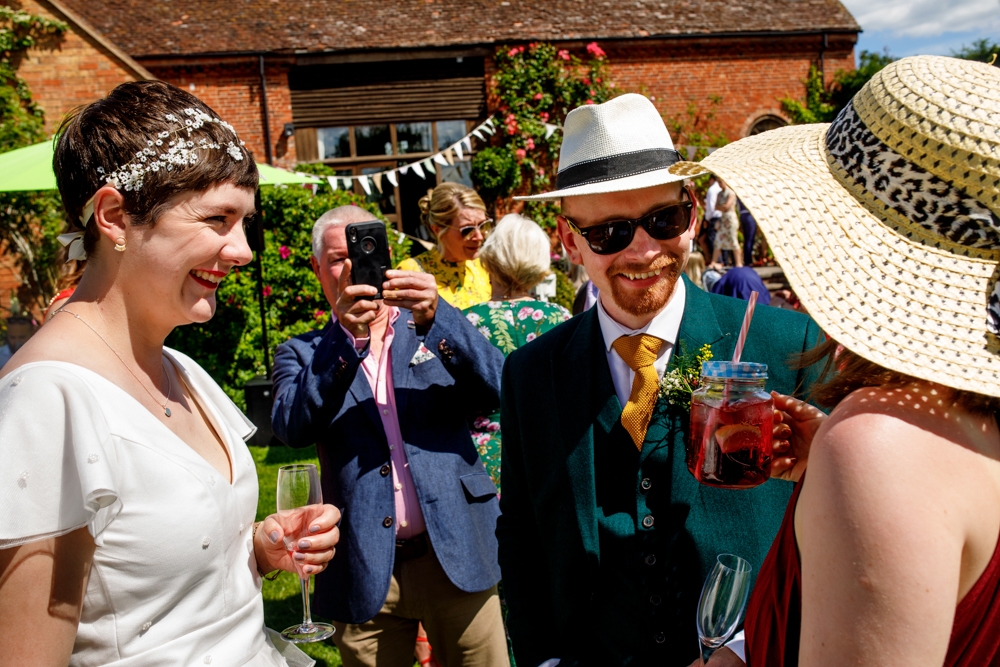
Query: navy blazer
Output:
(322,396)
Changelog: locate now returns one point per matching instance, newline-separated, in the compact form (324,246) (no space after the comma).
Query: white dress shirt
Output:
(665,326)
(711,197)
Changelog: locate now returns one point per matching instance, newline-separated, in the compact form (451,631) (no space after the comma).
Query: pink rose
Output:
(589,102)
(521,154)
(544,115)
(596,51)
(319,314)
(564,54)
(538,96)
(513,52)
(530,337)
(267,291)
(285,252)
(530,144)
(481,422)
(525,313)
(493,427)
(537,315)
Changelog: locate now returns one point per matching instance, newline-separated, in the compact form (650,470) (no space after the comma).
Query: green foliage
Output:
(229,345)
(565,294)
(21,120)
(697,127)
(534,85)
(496,172)
(821,105)
(29,221)
(983,50)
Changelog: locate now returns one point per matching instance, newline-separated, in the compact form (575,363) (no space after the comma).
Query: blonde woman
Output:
(457,218)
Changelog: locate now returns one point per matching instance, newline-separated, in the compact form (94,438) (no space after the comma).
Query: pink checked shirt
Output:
(409,518)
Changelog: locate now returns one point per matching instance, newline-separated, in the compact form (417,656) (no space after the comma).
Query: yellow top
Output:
(462,285)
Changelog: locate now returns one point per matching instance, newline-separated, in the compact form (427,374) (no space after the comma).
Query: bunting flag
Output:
(332,180)
(449,158)
(378,181)
(365,185)
(417,169)
(391,175)
(440,159)
(429,165)
(467,142)
(550,129)
(405,169)
(478,135)
(458,150)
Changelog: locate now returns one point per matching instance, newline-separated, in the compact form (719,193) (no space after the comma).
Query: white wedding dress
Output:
(173,580)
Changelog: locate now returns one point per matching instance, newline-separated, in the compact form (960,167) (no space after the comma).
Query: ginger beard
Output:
(648,300)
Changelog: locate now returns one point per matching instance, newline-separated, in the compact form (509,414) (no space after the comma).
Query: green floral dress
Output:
(508,325)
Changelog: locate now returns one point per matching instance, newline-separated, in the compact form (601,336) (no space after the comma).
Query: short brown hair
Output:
(96,140)
(844,372)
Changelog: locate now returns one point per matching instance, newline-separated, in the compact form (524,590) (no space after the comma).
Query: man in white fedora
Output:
(605,537)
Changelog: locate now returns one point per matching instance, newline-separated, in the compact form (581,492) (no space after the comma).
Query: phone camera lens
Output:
(368,245)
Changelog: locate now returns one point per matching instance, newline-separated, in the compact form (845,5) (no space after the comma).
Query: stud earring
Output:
(120,245)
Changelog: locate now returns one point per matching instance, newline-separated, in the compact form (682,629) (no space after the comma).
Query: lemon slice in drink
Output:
(734,437)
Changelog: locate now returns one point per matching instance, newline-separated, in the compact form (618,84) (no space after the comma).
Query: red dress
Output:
(774,613)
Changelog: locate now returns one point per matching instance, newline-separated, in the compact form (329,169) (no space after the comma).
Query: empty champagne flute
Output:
(300,501)
(723,599)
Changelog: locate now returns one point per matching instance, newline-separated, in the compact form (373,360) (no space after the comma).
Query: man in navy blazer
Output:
(386,390)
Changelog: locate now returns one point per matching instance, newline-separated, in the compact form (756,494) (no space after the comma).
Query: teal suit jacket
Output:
(585,579)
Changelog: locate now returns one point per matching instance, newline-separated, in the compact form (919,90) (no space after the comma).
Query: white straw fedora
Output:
(619,145)
(887,221)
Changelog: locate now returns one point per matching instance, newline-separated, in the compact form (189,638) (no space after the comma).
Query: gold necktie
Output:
(639,352)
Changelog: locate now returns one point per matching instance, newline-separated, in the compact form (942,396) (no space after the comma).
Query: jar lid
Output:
(743,370)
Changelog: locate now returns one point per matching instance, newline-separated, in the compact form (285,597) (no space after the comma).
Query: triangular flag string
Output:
(418,170)
(429,165)
(458,150)
(378,181)
(365,185)
(391,175)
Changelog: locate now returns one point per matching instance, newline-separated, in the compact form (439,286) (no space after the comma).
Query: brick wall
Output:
(232,88)
(70,71)
(748,77)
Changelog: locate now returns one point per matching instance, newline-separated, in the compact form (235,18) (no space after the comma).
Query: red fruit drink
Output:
(729,445)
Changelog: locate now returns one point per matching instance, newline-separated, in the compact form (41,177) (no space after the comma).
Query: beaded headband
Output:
(170,149)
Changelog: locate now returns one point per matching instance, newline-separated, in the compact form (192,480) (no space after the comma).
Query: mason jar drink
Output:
(731,420)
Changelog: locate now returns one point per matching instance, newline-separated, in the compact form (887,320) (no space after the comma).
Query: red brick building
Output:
(365,85)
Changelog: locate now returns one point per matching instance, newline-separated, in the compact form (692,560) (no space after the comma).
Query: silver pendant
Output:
(166,411)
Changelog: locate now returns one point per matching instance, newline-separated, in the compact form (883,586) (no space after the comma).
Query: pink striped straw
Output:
(746,327)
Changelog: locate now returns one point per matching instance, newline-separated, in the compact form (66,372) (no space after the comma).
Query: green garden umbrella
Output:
(30,168)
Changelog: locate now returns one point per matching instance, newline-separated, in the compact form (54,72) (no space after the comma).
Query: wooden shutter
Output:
(382,103)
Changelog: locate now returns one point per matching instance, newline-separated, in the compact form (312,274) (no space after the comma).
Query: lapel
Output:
(586,400)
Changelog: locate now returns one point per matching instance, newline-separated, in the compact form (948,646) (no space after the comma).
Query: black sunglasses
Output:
(663,224)
(485,227)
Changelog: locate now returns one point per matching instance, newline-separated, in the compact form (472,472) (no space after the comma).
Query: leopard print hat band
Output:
(869,167)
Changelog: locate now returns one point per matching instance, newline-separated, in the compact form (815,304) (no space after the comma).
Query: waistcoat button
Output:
(385,470)
(645,484)
(650,559)
(655,600)
(659,638)
(387,522)
(647,521)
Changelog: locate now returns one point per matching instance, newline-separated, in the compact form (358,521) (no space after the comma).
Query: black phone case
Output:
(368,250)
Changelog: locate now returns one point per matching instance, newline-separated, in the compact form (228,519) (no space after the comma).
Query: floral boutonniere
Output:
(681,381)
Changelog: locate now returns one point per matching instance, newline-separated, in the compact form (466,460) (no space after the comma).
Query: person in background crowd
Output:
(19,330)
(695,268)
(129,494)
(710,222)
(749,228)
(456,216)
(727,233)
(785,298)
(739,282)
(605,539)
(889,553)
(515,256)
(386,391)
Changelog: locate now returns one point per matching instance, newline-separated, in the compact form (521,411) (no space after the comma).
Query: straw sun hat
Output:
(887,221)
(618,145)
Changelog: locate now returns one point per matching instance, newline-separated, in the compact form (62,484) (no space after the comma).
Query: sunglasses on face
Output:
(663,224)
(484,227)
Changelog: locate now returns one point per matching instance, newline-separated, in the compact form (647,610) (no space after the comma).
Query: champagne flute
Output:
(300,500)
(723,599)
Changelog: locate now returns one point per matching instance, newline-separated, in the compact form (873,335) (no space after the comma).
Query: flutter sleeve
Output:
(57,457)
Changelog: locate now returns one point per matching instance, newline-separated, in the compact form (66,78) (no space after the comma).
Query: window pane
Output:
(373,140)
(414,137)
(460,172)
(334,142)
(387,198)
(449,132)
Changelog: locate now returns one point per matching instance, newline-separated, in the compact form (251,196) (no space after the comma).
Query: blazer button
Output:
(385,470)
(647,521)
(650,559)
(655,600)
(387,522)
(659,638)
(645,484)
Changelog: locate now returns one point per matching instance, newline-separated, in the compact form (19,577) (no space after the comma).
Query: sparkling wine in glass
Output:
(723,599)
(300,501)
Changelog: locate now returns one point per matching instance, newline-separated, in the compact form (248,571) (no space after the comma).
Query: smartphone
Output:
(368,250)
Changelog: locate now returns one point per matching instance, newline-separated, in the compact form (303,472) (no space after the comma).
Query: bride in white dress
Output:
(127,493)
